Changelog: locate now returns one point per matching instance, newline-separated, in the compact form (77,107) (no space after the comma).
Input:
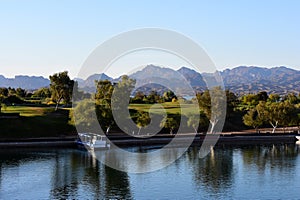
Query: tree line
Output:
(249,110)
(58,92)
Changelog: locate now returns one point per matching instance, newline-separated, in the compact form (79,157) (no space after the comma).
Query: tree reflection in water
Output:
(213,171)
(229,172)
(79,174)
(270,156)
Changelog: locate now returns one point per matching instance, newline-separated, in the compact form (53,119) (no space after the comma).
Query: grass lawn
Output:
(44,121)
(35,122)
(171,108)
(27,111)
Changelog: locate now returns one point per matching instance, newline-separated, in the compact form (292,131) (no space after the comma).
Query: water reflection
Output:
(82,171)
(72,174)
(214,171)
(227,172)
(143,159)
(279,157)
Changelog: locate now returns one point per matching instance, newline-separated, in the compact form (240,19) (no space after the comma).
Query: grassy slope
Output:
(35,122)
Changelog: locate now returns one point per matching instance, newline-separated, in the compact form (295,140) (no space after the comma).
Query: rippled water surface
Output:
(247,172)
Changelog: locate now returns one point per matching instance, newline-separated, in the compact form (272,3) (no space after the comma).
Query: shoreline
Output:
(129,141)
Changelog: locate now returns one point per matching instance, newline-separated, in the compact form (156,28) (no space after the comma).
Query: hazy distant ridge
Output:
(240,79)
(26,82)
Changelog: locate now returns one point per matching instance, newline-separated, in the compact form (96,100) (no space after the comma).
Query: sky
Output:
(44,37)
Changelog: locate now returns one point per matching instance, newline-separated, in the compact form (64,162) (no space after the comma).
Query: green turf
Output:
(170,108)
(27,110)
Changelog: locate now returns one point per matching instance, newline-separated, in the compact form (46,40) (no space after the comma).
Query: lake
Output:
(228,172)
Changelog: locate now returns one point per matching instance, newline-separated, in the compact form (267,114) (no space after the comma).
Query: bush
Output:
(11,100)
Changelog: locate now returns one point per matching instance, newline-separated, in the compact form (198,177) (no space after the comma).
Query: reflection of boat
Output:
(297,137)
(92,141)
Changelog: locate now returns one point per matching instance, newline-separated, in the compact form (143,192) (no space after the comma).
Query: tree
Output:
(143,120)
(193,121)
(153,97)
(20,92)
(11,91)
(83,116)
(291,98)
(1,100)
(290,113)
(138,97)
(213,104)
(232,102)
(277,113)
(253,118)
(251,100)
(4,92)
(42,93)
(105,117)
(104,90)
(119,104)
(170,123)
(274,98)
(168,96)
(61,88)
(262,96)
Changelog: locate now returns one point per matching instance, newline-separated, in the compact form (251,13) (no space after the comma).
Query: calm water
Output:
(229,172)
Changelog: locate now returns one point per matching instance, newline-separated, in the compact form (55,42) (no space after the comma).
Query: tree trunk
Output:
(107,130)
(195,130)
(213,124)
(274,126)
(56,107)
(57,103)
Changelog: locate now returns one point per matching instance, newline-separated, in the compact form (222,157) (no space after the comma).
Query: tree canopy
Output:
(61,87)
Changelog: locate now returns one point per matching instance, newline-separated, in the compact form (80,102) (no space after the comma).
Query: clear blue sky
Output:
(44,37)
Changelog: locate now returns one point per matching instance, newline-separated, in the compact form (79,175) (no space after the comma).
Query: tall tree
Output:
(61,88)
(104,92)
(103,104)
(119,104)
(213,104)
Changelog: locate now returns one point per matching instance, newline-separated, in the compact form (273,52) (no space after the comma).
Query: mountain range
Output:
(25,82)
(240,80)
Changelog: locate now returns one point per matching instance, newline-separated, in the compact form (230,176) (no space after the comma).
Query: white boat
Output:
(92,141)
(297,137)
